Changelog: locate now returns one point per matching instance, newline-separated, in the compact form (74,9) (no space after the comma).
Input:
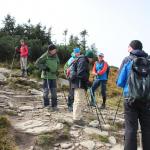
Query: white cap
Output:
(100,54)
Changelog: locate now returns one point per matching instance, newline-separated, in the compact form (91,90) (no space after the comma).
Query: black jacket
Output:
(82,70)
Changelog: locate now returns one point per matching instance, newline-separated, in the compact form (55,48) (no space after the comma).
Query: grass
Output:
(6,139)
(47,140)
(100,138)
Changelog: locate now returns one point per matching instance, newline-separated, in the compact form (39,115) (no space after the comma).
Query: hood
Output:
(138,53)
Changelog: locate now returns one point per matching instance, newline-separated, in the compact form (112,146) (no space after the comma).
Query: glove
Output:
(46,69)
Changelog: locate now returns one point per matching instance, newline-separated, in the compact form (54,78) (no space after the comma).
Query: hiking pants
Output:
(133,112)
(23,63)
(101,83)
(79,102)
(71,95)
(49,85)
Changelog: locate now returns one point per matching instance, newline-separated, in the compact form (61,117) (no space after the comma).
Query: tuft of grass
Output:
(100,138)
(7,141)
(47,140)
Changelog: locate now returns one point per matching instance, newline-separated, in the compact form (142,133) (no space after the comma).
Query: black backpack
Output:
(139,79)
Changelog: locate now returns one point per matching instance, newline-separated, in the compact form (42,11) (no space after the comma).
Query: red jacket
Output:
(24,51)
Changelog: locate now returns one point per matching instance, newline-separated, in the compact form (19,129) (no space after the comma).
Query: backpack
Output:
(139,79)
(68,69)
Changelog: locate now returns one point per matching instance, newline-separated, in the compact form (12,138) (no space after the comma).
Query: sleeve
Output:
(41,62)
(122,77)
(104,69)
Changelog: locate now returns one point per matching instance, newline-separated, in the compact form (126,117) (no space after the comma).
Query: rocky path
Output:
(37,128)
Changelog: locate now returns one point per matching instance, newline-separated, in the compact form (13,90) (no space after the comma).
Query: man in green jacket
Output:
(48,63)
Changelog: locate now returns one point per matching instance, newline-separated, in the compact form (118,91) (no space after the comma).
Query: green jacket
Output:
(49,63)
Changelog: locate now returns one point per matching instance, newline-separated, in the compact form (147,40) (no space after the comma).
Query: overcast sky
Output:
(111,24)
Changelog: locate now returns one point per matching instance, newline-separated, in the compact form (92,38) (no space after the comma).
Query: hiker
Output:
(67,68)
(48,63)
(100,70)
(80,79)
(23,57)
(136,109)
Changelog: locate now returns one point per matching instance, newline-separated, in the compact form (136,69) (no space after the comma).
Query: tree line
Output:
(37,37)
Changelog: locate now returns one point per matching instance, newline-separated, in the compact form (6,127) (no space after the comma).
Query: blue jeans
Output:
(102,84)
(134,112)
(50,85)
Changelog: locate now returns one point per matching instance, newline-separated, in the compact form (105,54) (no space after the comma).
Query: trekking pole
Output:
(97,106)
(140,135)
(98,117)
(117,110)
(12,63)
(88,101)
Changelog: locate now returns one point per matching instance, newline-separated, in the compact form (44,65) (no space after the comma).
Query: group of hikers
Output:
(133,75)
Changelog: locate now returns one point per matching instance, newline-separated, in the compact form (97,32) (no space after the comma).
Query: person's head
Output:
(52,49)
(22,42)
(89,54)
(76,51)
(134,45)
(100,56)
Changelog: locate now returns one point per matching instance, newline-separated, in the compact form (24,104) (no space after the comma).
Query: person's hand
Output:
(46,69)
(89,83)
(94,73)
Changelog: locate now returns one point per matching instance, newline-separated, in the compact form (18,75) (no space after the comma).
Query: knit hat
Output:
(89,54)
(100,54)
(51,47)
(76,50)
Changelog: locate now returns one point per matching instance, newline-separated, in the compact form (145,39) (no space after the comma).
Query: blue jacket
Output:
(125,69)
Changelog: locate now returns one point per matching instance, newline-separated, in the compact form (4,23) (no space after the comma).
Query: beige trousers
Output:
(23,63)
(79,103)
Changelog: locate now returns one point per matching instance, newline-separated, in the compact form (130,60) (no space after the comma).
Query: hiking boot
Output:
(93,104)
(79,122)
(103,106)
(54,109)
(70,109)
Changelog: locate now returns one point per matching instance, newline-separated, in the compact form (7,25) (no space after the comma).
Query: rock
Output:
(59,126)
(10,104)
(66,145)
(4,96)
(6,92)
(4,71)
(63,82)
(74,134)
(112,140)
(2,79)
(117,147)
(26,108)
(90,130)
(35,92)
(90,145)
(108,145)
(99,145)
(106,127)
(94,124)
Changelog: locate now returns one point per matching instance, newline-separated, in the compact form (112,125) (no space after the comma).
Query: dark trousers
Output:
(71,94)
(49,85)
(134,112)
(102,84)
